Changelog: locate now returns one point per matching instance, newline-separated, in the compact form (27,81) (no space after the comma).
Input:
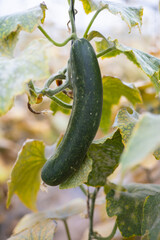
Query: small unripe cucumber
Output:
(85,117)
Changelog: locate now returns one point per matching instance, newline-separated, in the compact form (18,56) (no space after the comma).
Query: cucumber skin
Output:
(85,117)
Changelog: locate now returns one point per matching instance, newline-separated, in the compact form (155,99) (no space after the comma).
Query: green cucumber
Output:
(85,117)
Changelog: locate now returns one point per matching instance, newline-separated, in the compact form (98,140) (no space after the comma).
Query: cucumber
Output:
(85,117)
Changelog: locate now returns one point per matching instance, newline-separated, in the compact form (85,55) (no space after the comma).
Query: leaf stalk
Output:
(92,20)
(67,229)
(73,36)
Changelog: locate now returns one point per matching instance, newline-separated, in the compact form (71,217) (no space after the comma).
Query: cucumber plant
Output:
(79,160)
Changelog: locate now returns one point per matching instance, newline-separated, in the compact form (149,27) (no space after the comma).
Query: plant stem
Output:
(91,213)
(52,78)
(92,20)
(88,202)
(61,103)
(105,52)
(31,85)
(67,229)
(110,236)
(83,190)
(50,92)
(73,36)
(72,16)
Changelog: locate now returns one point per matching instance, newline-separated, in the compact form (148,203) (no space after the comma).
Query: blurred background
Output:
(20,124)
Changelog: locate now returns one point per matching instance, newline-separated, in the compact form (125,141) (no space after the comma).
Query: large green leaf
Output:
(42,230)
(105,154)
(11,25)
(101,160)
(128,207)
(131,15)
(149,64)
(145,139)
(151,218)
(32,64)
(25,176)
(113,89)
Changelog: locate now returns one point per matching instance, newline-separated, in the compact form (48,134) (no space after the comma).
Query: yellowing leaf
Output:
(126,120)
(74,207)
(28,221)
(11,26)
(87,6)
(25,175)
(32,64)
(42,230)
(145,139)
(32,226)
(113,89)
(149,64)
(131,15)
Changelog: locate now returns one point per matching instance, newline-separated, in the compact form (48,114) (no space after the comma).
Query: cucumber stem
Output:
(73,36)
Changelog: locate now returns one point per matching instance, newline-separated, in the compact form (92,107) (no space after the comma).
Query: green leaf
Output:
(102,159)
(79,177)
(128,207)
(145,139)
(32,64)
(11,26)
(42,230)
(25,176)
(113,89)
(149,64)
(105,154)
(151,218)
(131,15)
(55,107)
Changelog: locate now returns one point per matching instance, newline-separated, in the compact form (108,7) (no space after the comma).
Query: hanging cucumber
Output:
(85,117)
